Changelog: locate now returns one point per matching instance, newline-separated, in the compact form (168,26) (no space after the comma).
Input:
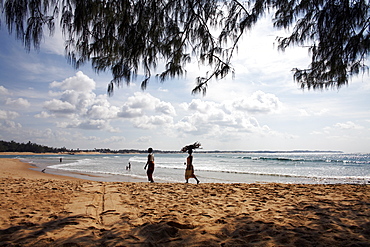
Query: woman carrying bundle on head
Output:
(189,171)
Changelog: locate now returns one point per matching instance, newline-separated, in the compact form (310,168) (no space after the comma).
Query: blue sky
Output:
(45,101)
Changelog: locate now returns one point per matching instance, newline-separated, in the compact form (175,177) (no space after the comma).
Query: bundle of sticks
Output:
(195,145)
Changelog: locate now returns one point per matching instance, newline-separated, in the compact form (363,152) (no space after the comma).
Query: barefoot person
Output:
(189,171)
(150,165)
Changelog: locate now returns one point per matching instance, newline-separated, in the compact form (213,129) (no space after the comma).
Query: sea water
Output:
(309,168)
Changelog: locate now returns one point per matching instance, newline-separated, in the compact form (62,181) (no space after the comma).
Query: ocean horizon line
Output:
(132,151)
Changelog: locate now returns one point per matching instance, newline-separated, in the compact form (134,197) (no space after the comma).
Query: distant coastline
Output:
(15,148)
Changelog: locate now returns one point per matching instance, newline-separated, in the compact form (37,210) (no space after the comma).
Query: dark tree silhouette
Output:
(13,146)
(129,37)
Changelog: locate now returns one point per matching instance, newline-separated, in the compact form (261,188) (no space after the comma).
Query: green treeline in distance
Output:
(13,146)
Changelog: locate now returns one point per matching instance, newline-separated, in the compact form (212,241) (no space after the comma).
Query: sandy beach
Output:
(39,209)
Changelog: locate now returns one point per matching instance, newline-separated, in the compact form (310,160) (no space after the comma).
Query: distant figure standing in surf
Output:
(129,166)
(189,171)
(150,165)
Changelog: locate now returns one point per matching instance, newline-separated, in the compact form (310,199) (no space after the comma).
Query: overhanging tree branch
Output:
(131,37)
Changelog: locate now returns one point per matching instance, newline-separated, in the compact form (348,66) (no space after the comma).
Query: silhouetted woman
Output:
(189,171)
(150,165)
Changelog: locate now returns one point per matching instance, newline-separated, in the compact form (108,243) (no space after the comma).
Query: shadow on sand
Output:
(191,215)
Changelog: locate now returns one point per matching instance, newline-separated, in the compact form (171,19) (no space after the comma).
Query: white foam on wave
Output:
(222,167)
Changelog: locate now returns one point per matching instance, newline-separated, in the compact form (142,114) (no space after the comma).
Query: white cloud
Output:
(59,106)
(101,109)
(310,112)
(97,111)
(151,122)
(142,101)
(316,133)
(303,113)
(163,90)
(227,118)
(143,109)
(144,139)
(89,124)
(4,91)
(165,108)
(80,83)
(185,126)
(72,123)
(7,124)
(338,127)
(200,106)
(86,110)
(127,112)
(348,126)
(114,139)
(93,124)
(259,102)
(6,115)
(43,114)
(80,104)
(20,102)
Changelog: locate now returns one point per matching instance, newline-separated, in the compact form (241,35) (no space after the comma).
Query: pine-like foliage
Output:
(131,37)
(337,33)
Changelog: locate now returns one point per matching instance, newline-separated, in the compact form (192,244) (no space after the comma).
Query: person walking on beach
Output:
(189,171)
(150,165)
